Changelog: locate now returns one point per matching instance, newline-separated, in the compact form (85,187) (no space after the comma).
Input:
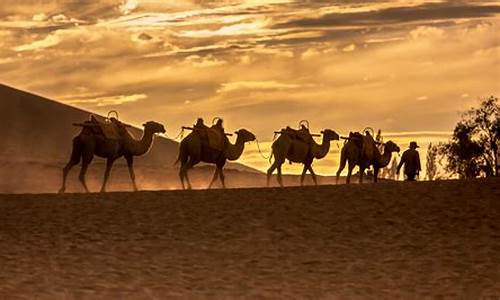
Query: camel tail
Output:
(178,159)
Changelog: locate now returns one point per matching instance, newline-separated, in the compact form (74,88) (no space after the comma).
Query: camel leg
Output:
(222,177)
(66,170)
(216,175)
(86,160)
(270,171)
(184,176)
(185,169)
(337,176)
(109,165)
(349,172)
(312,174)
(189,186)
(341,168)
(183,159)
(280,180)
(181,176)
(303,175)
(76,154)
(361,173)
(375,174)
(130,164)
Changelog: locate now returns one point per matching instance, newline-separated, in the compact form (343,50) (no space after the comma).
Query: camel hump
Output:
(216,138)
(369,146)
(298,134)
(110,130)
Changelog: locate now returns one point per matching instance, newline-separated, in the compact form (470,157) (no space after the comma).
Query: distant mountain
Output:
(36,142)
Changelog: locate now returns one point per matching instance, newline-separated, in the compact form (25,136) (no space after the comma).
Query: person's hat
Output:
(413,145)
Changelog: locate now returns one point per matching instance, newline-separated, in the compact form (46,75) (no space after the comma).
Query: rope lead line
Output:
(260,151)
(180,135)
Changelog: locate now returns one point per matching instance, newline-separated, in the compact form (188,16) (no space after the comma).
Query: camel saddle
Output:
(216,139)
(210,136)
(298,134)
(112,129)
(365,143)
(369,148)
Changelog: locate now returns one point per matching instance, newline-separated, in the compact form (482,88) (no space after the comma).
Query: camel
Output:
(193,151)
(88,143)
(351,153)
(295,150)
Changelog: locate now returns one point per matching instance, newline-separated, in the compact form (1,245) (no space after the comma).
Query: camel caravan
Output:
(110,139)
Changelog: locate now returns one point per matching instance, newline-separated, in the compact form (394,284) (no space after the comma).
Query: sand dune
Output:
(36,143)
(429,240)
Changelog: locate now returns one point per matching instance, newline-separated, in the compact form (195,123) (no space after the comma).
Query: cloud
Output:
(203,62)
(310,52)
(426,31)
(109,100)
(256,27)
(49,41)
(278,52)
(40,17)
(6,60)
(254,85)
(349,48)
(128,6)
(395,15)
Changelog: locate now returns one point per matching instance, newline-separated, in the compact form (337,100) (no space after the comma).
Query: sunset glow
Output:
(401,66)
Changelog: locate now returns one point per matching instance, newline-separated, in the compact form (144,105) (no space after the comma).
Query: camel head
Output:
(330,135)
(154,127)
(245,135)
(390,147)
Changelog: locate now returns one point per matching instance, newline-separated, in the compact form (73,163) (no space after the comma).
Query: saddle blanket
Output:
(110,130)
(216,139)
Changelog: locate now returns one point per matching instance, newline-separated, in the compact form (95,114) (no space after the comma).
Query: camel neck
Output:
(322,150)
(385,158)
(233,152)
(141,146)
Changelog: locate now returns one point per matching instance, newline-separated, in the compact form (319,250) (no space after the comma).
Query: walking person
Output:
(411,160)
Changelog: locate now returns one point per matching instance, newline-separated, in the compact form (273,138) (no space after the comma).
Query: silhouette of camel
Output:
(295,150)
(351,153)
(88,143)
(192,151)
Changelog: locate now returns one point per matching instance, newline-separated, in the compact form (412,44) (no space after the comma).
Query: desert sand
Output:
(392,240)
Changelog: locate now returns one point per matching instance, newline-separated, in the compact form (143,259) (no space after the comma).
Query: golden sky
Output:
(401,65)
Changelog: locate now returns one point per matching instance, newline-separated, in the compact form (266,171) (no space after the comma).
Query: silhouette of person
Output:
(411,160)
(200,124)
(218,125)
(378,138)
(379,141)
(200,129)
